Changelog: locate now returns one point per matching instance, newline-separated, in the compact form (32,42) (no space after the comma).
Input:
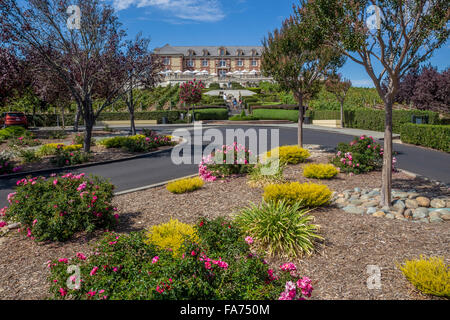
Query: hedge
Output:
(368,119)
(211,114)
(432,136)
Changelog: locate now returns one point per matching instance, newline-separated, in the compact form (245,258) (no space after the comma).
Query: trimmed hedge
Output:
(432,136)
(276,114)
(211,114)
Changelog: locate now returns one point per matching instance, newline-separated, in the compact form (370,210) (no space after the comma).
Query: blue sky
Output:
(222,22)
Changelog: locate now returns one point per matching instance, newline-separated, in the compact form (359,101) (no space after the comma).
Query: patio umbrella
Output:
(188,72)
(229,73)
(214,74)
(178,71)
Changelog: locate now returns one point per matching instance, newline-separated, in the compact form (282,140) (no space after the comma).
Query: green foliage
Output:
(6,164)
(266,173)
(219,267)
(114,142)
(269,114)
(289,154)
(64,157)
(361,155)
(320,171)
(79,139)
(137,143)
(52,148)
(308,195)
(28,155)
(56,208)
(242,118)
(171,236)
(279,229)
(13,132)
(185,185)
(210,114)
(430,276)
(436,137)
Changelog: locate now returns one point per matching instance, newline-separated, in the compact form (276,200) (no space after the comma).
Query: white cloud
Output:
(193,10)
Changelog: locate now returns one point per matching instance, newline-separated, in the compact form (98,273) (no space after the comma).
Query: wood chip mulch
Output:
(338,268)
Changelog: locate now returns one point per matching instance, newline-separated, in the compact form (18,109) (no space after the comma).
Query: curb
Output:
(92,164)
(416,175)
(151,186)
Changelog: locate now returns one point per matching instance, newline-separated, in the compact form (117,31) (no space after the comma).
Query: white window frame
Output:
(254,63)
(205,63)
(167,61)
(190,63)
(240,63)
(222,63)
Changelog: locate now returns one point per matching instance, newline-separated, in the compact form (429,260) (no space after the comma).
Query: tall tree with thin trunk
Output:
(339,87)
(386,37)
(86,56)
(296,67)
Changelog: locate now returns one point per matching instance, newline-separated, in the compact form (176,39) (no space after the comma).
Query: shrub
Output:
(309,195)
(320,171)
(217,165)
(52,148)
(279,228)
(66,157)
(115,142)
(170,236)
(242,118)
(6,164)
(266,173)
(54,209)
(79,139)
(430,276)
(361,155)
(13,132)
(436,137)
(28,156)
(137,143)
(211,114)
(278,114)
(185,185)
(126,267)
(289,154)
(23,142)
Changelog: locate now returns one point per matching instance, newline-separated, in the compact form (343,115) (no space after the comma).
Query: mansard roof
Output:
(209,50)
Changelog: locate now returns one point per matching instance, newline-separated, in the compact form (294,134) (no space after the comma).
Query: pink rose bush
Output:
(361,155)
(229,160)
(220,266)
(54,209)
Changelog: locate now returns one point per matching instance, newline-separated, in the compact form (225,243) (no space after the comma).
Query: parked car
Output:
(14,119)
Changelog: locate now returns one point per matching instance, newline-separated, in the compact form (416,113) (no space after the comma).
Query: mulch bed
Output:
(338,268)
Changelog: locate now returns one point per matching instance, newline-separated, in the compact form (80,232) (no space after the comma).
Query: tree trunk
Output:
(301,112)
(62,118)
(77,119)
(386,189)
(342,114)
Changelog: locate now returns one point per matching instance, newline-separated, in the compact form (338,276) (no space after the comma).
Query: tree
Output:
(339,87)
(142,69)
(387,37)
(88,59)
(295,67)
(11,74)
(191,93)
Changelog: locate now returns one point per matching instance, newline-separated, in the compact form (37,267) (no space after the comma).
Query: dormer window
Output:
(222,51)
(205,52)
(240,52)
(254,53)
(191,52)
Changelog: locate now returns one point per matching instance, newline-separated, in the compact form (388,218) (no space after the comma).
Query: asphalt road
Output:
(159,167)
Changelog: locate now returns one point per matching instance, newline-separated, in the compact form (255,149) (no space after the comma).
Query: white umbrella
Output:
(161,72)
(196,71)
(244,71)
(178,71)
(204,72)
(214,74)
(229,73)
(253,72)
(188,72)
(237,72)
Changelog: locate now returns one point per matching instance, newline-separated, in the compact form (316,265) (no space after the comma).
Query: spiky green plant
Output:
(279,228)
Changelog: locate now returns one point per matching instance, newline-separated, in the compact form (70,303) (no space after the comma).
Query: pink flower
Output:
(249,240)
(3,224)
(91,293)
(63,292)
(207,265)
(81,256)
(64,260)
(55,182)
(93,271)
(34,222)
(155,259)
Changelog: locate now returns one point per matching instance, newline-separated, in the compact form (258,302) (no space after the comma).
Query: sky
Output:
(223,23)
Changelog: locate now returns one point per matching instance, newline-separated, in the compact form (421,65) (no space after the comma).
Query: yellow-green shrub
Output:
(430,276)
(310,195)
(185,185)
(171,235)
(320,171)
(50,148)
(289,154)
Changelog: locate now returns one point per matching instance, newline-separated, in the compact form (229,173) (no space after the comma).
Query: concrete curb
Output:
(92,164)
(416,175)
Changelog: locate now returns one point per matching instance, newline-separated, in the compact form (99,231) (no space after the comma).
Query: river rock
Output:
(371,210)
(437,203)
(356,202)
(357,189)
(399,204)
(390,216)
(340,201)
(423,201)
(413,195)
(434,214)
(411,204)
(13,225)
(379,214)
(374,193)
(353,209)
(420,213)
(445,216)
(408,213)
(372,203)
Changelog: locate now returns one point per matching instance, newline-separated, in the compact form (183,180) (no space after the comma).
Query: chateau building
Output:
(211,64)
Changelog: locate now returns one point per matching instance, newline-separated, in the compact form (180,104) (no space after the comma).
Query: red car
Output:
(14,119)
